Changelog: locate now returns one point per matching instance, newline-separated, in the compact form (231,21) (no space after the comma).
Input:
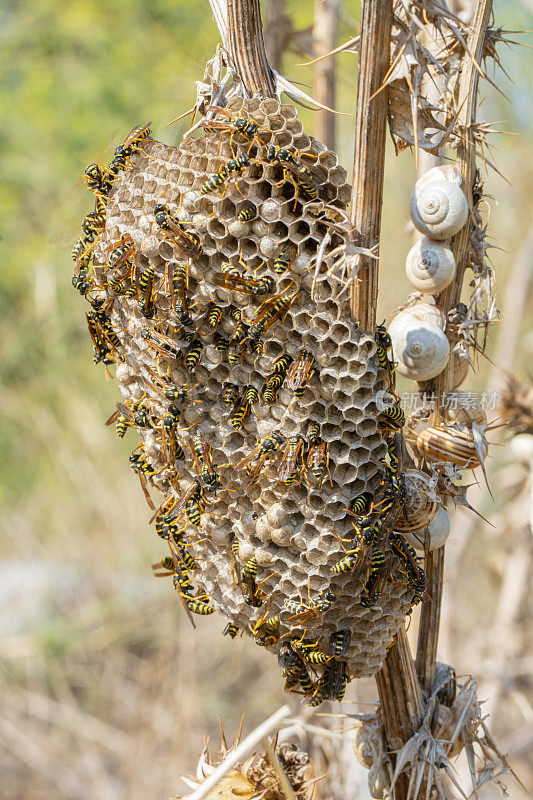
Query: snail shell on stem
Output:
(435,534)
(448,443)
(463,408)
(421,505)
(420,349)
(444,172)
(430,266)
(439,209)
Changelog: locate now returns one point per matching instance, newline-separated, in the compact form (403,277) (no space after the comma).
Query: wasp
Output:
(221,178)
(202,456)
(301,176)
(339,642)
(285,259)
(371,594)
(175,231)
(193,354)
(179,293)
(167,564)
(288,467)
(294,670)
(231,279)
(247,128)
(231,630)
(301,372)
(415,573)
(184,554)
(269,312)
(237,343)
(162,344)
(254,462)
(91,226)
(301,610)
(247,213)
(122,253)
(131,144)
(361,504)
(271,388)
(95,176)
(230,394)
(309,652)
(313,433)
(214,315)
(266,631)
(221,343)
(242,407)
(347,563)
(251,592)
(192,502)
(181,580)
(318,460)
(337,678)
(392,418)
(199,605)
(146,285)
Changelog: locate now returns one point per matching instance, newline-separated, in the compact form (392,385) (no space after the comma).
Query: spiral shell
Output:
(444,172)
(364,745)
(422,502)
(439,209)
(420,349)
(448,443)
(463,408)
(428,313)
(434,535)
(430,266)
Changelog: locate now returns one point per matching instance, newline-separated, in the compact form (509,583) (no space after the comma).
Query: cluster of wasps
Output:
(178,340)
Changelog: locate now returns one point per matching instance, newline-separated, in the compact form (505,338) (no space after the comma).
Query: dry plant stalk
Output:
(325,33)
(369,159)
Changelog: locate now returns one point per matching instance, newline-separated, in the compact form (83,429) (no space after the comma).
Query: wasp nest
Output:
(270,529)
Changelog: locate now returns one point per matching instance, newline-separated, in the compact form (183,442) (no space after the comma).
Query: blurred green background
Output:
(104,690)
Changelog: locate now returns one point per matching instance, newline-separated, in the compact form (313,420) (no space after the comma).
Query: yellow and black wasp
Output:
(231,630)
(301,611)
(292,462)
(162,344)
(248,129)
(230,394)
(193,354)
(251,592)
(301,372)
(294,670)
(201,452)
(317,461)
(266,631)
(265,448)
(214,315)
(221,343)
(242,407)
(176,232)
(339,642)
(234,166)
(95,176)
(392,418)
(146,286)
(415,574)
(192,503)
(131,144)
(247,213)
(231,279)
(309,651)
(284,259)
(179,277)
(300,175)
(270,311)
(371,593)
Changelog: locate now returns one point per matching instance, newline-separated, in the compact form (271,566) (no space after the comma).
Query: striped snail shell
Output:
(463,408)
(449,443)
(430,266)
(435,534)
(420,348)
(421,505)
(439,209)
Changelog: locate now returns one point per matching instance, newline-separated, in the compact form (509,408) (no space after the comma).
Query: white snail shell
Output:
(439,209)
(430,266)
(448,443)
(421,505)
(435,534)
(464,408)
(445,172)
(420,349)
(427,312)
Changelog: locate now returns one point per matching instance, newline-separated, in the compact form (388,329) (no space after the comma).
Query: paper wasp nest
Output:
(293,531)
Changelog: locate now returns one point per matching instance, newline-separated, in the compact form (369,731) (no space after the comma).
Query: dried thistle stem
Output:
(325,32)
(246,47)
(466,161)
(369,158)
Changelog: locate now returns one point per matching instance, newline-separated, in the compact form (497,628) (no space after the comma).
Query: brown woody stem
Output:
(369,157)
(466,161)
(246,47)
